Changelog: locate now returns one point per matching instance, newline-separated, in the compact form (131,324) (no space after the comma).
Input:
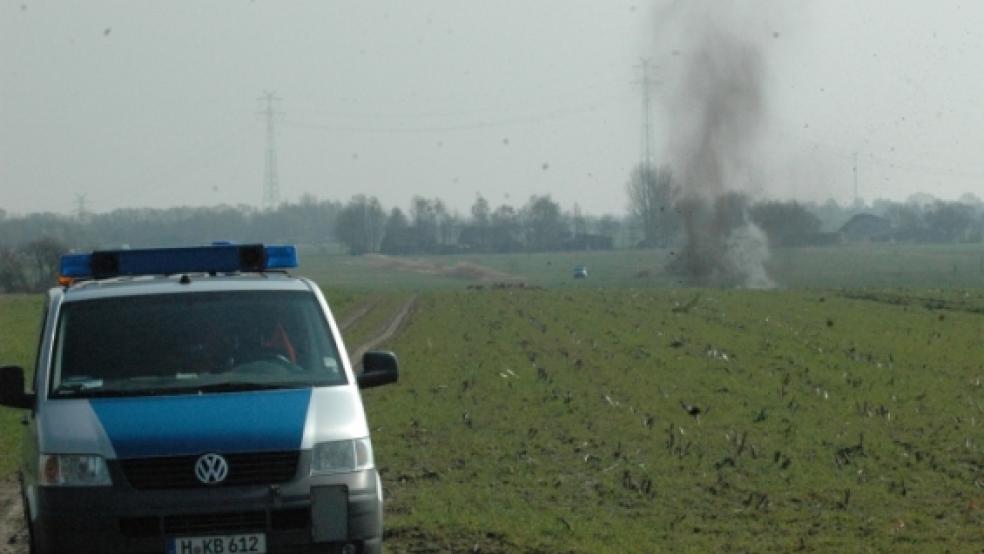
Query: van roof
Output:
(177,284)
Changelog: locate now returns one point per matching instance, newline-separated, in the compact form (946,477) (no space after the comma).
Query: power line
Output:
(202,155)
(271,190)
(857,197)
(495,99)
(446,114)
(839,148)
(470,126)
(646,138)
(81,210)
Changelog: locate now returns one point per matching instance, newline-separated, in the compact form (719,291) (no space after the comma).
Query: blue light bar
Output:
(75,265)
(281,257)
(222,258)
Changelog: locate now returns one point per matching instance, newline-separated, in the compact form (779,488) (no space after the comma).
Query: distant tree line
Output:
(31,267)
(657,204)
(309,221)
(655,217)
(30,244)
(920,219)
(429,227)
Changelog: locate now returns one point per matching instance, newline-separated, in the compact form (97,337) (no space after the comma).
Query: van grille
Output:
(178,472)
(210,523)
(291,519)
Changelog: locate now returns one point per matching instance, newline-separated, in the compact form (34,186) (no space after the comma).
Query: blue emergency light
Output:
(218,258)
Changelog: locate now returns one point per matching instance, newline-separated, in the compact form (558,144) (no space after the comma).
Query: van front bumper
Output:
(318,513)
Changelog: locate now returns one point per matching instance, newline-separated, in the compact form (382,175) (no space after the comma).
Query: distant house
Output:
(866,228)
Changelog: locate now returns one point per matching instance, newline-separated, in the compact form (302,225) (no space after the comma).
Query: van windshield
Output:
(193,343)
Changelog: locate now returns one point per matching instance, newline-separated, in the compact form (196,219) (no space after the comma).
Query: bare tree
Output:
(12,277)
(786,223)
(360,225)
(609,226)
(32,267)
(481,211)
(546,228)
(396,238)
(650,194)
(505,229)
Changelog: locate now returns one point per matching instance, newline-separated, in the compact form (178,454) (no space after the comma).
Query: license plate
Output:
(251,543)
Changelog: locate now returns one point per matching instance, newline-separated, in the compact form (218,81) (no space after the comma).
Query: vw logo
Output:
(211,469)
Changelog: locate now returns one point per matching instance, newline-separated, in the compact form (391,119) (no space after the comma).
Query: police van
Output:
(193,401)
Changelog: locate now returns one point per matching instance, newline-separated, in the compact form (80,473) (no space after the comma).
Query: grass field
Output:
(20,317)
(840,413)
(378,309)
(555,421)
(853,266)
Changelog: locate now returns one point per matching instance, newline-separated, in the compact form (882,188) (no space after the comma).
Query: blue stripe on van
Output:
(254,421)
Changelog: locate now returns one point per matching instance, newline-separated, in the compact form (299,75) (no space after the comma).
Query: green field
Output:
(375,312)
(843,412)
(20,317)
(852,266)
(554,421)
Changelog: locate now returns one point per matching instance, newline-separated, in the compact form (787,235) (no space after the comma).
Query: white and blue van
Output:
(195,401)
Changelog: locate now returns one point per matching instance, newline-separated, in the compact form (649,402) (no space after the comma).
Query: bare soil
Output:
(13,533)
(461,270)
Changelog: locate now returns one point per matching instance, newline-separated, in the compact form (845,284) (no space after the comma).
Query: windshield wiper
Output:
(74,390)
(71,388)
(80,391)
(233,386)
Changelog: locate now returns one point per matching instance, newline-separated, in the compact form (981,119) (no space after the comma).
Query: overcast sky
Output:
(155,103)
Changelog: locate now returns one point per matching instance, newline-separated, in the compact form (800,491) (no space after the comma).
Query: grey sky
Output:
(154,103)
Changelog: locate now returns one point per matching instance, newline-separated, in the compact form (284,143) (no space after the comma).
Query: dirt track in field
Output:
(357,314)
(467,271)
(384,334)
(13,532)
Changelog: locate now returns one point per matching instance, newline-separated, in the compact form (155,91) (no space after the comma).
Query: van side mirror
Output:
(378,368)
(12,388)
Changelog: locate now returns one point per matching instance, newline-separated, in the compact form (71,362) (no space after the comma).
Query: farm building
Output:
(866,228)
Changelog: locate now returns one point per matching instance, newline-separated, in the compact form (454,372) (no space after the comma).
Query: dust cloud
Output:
(714,97)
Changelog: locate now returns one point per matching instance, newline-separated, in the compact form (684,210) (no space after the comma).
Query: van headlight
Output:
(341,456)
(73,470)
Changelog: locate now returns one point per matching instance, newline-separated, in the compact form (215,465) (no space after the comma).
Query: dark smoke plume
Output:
(716,110)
